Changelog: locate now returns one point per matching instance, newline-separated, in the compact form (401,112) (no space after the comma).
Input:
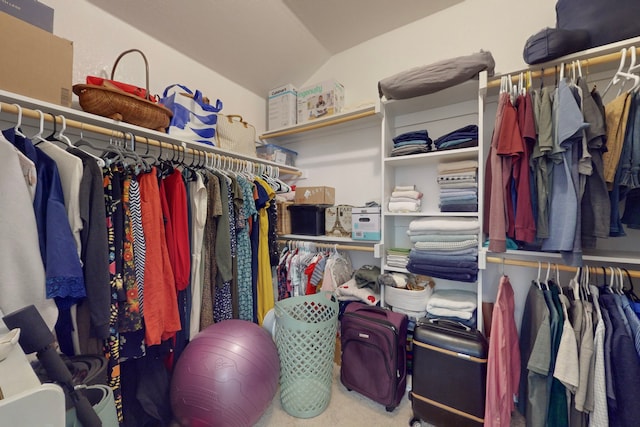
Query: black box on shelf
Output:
(308,219)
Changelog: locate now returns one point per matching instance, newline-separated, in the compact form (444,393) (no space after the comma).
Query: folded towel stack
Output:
(453,304)
(445,248)
(397,257)
(415,142)
(405,198)
(458,184)
(466,136)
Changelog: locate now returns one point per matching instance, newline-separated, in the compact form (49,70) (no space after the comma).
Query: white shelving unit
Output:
(310,132)
(438,113)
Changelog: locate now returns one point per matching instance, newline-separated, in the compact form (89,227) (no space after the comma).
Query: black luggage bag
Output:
(449,374)
(374,358)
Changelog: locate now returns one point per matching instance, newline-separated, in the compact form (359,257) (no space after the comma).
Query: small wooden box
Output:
(284,218)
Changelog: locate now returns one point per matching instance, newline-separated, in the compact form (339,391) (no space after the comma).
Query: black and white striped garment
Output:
(139,244)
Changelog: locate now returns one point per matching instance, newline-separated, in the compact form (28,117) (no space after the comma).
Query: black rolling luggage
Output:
(374,341)
(449,374)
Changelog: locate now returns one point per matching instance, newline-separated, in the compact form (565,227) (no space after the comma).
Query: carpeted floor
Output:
(349,409)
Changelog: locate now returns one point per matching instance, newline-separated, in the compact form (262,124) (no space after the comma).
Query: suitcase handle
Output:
(450,323)
(374,309)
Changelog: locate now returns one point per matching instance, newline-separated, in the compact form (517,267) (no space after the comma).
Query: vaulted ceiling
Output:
(261,44)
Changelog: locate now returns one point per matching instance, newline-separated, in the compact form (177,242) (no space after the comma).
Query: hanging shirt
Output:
(265,283)
(495,210)
(64,277)
(503,366)
(198,201)
(617,114)
(175,192)
(22,276)
(95,252)
(71,171)
(161,309)
(248,211)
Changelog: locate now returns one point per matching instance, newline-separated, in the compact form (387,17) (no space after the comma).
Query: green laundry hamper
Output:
(305,336)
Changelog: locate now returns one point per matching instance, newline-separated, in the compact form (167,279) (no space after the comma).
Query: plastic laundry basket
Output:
(305,337)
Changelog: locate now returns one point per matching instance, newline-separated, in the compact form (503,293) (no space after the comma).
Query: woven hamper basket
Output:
(110,101)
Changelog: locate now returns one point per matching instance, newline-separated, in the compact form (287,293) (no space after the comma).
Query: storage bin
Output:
(275,153)
(338,221)
(308,219)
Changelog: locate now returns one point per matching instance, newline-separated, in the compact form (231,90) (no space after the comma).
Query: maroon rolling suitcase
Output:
(449,374)
(373,341)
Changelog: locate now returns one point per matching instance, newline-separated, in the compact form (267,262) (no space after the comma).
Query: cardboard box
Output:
(282,106)
(365,223)
(320,100)
(30,11)
(338,221)
(315,196)
(37,64)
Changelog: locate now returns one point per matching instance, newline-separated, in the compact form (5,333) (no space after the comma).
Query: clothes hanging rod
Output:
(49,118)
(315,245)
(550,68)
(534,264)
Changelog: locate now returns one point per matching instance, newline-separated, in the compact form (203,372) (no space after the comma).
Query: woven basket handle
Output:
(146,66)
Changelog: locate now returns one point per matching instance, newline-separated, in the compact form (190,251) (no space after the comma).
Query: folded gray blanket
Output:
(431,78)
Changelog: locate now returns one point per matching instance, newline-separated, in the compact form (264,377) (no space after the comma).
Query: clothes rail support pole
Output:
(328,245)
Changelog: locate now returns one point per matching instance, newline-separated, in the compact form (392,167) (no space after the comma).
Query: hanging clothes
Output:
(503,366)
(20,261)
(161,311)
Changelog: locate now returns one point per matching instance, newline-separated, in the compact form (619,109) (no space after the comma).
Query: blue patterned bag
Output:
(194,119)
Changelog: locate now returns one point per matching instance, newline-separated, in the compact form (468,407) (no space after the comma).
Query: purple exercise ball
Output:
(226,376)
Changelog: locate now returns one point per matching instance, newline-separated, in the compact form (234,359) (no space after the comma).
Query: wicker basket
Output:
(110,101)
(283,226)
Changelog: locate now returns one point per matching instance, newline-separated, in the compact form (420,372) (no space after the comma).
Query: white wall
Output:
(499,26)
(98,38)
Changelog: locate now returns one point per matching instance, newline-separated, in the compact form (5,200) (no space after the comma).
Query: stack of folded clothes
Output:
(363,286)
(405,198)
(458,184)
(466,136)
(397,257)
(446,248)
(415,142)
(453,304)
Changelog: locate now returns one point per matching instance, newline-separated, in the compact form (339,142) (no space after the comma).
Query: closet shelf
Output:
(592,61)
(466,91)
(112,128)
(444,155)
(434,213)
(364,116)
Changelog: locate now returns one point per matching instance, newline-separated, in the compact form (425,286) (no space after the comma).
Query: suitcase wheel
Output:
(415,422)
(390,408)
